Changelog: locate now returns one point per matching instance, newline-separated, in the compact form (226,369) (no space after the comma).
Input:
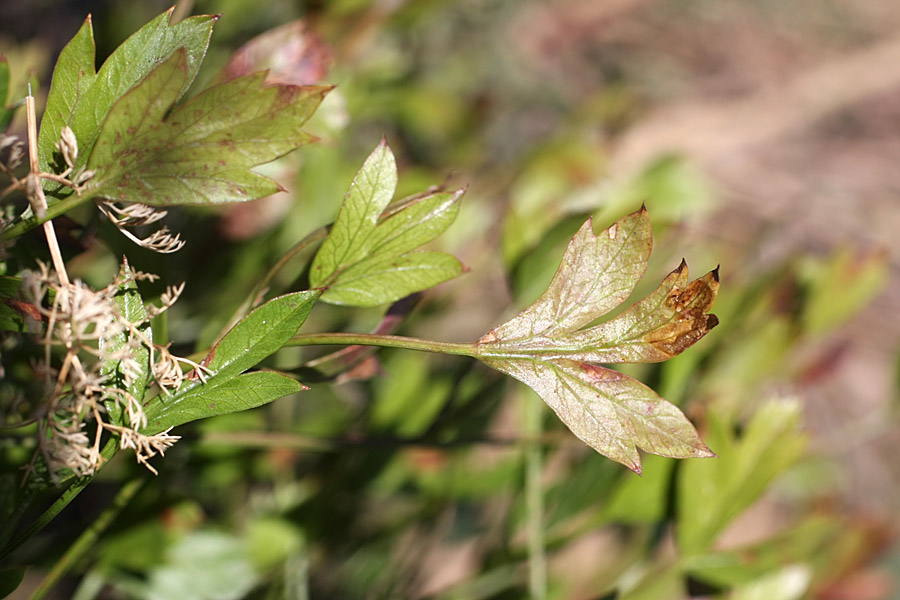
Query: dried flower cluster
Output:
(136,215)
(105,356)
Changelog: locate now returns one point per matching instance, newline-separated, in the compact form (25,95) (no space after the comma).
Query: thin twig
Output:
(36,197)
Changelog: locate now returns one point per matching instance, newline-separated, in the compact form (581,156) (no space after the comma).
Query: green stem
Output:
(87,539)
(23,225)
(108,451)
(385,341)
(534,500)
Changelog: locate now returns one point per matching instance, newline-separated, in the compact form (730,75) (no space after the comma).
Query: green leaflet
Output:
(81,97)
(236,394)
(549,348)
(202,152)
(261,333)
(368,258)
(384,279)
(370,192)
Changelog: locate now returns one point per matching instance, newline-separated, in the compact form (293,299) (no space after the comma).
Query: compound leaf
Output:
(597,273)
(770,443)
(260,334)
(549,347)
(368,258)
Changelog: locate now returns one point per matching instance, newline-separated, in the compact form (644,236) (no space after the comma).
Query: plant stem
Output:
(36,197)
(386,341)
(87,539)
(24,225)
(534,499)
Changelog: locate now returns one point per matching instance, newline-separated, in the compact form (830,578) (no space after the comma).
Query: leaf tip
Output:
(715,273)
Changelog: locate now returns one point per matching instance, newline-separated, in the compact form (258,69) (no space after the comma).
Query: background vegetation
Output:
(761,135)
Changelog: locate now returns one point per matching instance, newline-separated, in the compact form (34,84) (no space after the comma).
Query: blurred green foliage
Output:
(405,480)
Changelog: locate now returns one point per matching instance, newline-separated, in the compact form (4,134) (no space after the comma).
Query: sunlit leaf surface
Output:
(550,347)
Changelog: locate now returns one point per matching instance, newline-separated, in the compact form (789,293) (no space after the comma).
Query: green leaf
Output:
(384,279)
(549,348)
(260,334)
(6,114)
(407,226)
(662,580)
(81,97)
(370,192)
(202,152)
(236,394)
(202,565)
(641,499)
(770,444)
(367,258)
(131,306)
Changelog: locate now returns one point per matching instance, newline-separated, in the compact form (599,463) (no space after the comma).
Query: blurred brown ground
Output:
(793,109)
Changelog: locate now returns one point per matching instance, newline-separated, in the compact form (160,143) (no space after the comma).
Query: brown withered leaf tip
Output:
(690,321)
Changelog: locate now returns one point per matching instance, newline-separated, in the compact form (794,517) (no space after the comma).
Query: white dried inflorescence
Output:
(136,215)
(103,356)
(68,149)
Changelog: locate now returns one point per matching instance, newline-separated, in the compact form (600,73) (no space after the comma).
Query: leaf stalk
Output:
(385,341)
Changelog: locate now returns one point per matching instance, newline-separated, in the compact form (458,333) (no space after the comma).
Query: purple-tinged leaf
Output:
(612,413)
(201,152)
(597,273)
(549,348)
(81,97)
